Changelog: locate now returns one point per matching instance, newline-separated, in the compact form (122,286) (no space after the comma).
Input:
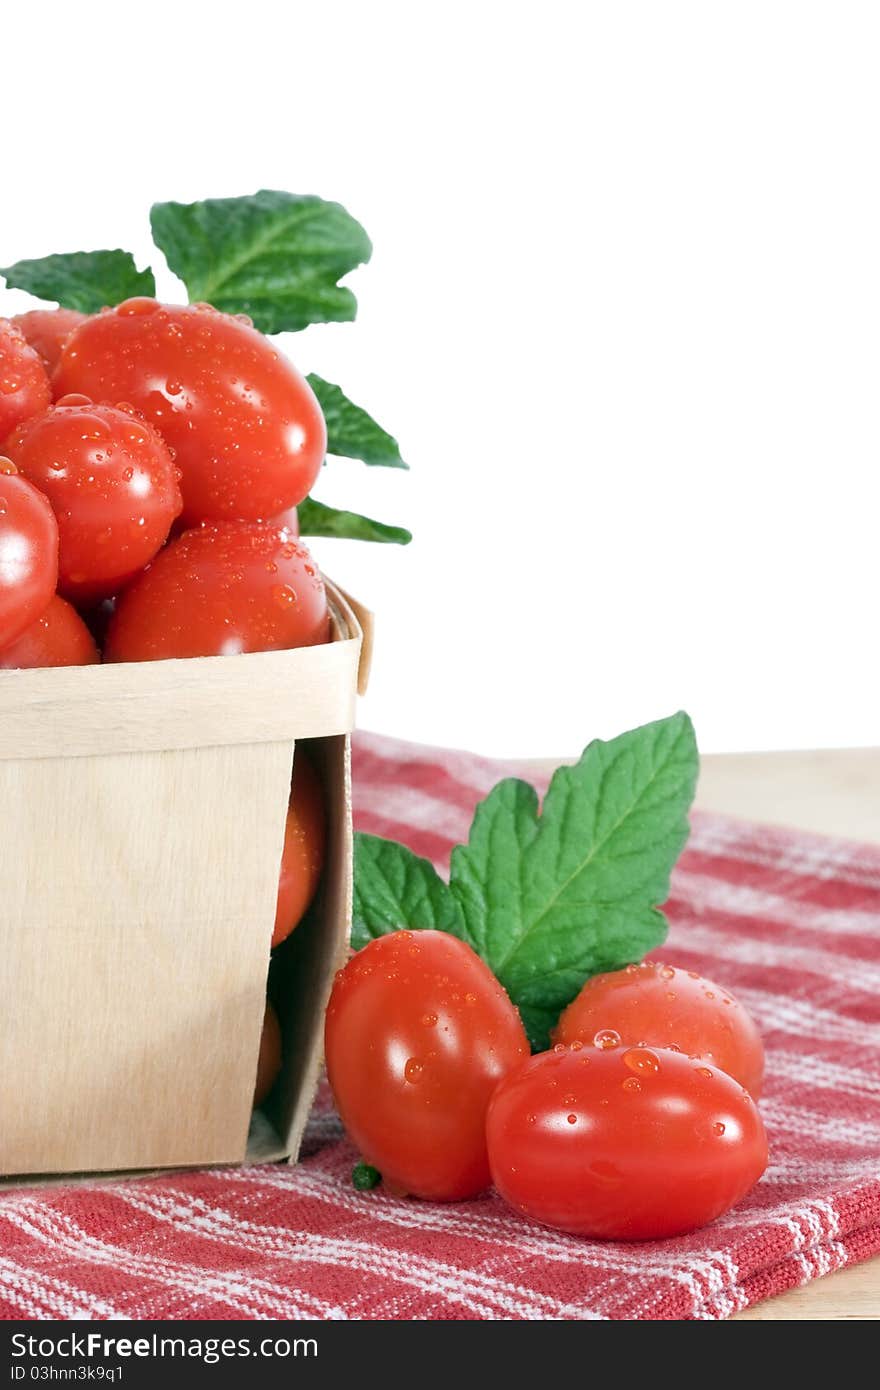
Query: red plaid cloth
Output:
(788,921)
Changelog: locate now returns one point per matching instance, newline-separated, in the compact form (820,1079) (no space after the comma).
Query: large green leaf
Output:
(275,256)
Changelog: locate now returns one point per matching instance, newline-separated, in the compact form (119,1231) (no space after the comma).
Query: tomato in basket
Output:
(112,484)
(28,553)
(246,429)
(218,590)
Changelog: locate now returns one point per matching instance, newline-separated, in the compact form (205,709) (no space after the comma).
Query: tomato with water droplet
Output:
(211,593)
(665,1006)
(623,1143)
(59,637)
(418,1034)
(112,484)
(24,385)
(246,427)
(47,330)
(28,553)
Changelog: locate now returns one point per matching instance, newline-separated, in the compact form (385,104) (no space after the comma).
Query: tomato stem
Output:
(365,1177)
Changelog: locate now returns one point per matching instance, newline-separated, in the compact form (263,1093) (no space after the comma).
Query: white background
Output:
(623,315)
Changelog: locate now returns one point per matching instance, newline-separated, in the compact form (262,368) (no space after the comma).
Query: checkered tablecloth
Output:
(790,922)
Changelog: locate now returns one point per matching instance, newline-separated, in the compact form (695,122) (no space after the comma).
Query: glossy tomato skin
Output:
(418,1034)
(623,1143)
(219,590)
(59,637)
(24,385)
(269,1062)
(290,519)
(666,1006)
(246,428)
(303,855)
(47,330)
(28,553)
(112,484)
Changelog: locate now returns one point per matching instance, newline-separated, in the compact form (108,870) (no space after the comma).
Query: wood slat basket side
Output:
(138,895)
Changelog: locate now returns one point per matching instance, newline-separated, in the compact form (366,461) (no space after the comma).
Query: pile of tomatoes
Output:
(151,460)
(152,457)
(639,1123)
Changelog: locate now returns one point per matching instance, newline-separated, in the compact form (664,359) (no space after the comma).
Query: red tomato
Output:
(47,330)
(665,1006)
(269,1063)
(623,1143)
(112,484)
(28,553)
(246,428)
(24,385)
(234,587)
(418,1034)
(303,854)
(59,637)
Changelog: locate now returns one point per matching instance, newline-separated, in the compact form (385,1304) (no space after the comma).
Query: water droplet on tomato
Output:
(7,467)
(632,1083)
(74,398)
(718,1127)
(283,595)
(606,1038)
(138,307)
(572,1119)
(413,1070)
(576,1045)
(705,1072)
(560,1047)
(429,1020)
(642,1060)
(667,972)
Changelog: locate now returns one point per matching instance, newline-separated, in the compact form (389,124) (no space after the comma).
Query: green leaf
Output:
(549,900)
(275,256)
(550,896)
(317,519)
(394,888)
(351,432)
(83,280)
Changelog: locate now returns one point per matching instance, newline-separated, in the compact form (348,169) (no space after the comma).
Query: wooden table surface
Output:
(836,792)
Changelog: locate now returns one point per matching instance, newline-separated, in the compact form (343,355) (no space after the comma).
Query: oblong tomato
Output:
(59,637)
(47,330)
(28,553)
(303,855)
(245,426)
(666,1006)
(417,1036)
(24,385)
(623,1143)
(112,484)
(269,1061)
(218,590)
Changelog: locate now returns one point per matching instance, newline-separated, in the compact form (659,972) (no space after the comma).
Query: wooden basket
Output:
(142,813)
